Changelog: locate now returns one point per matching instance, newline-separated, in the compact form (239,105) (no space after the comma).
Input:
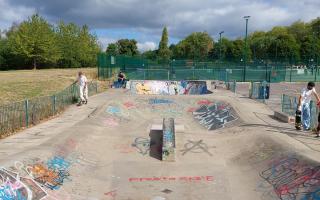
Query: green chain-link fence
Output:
(21,114)
(141,68)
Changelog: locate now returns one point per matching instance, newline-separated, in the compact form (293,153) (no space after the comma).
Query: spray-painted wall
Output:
(169,87)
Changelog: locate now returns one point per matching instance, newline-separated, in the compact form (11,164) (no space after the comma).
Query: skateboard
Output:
(298,124)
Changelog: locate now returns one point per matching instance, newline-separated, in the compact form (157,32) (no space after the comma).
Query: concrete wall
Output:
(169,87)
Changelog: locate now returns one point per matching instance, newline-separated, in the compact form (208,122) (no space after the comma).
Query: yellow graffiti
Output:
(143,89)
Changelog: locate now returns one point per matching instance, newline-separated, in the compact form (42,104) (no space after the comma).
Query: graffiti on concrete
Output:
(196,147)
(13,187)
(112,122)
(169,87)
(214,116)
(113,110)
(160,101)
(173,178)
(128,105)
(292,179)
(142,145)
(112,194)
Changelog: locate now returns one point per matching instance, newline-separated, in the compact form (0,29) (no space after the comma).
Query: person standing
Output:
(304,104)
(83,87)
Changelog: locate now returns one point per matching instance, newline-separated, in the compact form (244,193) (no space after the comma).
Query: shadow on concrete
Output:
(156,144)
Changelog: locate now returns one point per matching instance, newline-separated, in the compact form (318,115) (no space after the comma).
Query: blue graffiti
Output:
(58,163)
(160,101)
(167,136)
(113,110)
(312,196)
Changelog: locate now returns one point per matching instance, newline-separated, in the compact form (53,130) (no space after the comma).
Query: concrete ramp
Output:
(168,87)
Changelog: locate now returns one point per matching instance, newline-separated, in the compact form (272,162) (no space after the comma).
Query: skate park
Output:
(157,140)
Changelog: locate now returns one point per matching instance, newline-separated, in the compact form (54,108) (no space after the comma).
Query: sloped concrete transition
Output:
(229,148)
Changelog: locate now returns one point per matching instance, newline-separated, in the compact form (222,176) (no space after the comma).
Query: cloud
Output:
(12,13)
(182,17)
(146,46)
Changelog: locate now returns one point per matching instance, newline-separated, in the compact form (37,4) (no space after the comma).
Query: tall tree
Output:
(112,49)
(127,47)
(164,52)
(195,46)
(89,47)
(68,43)
(35,39)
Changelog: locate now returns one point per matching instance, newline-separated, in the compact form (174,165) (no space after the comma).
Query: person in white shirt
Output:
(304,104)
(83,86)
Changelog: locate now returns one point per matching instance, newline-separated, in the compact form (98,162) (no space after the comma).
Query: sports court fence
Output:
(289,106)
(21,114)
(143,69)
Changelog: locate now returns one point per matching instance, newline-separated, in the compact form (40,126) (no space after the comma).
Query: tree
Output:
(127,47)
(215,52)
(89,48)
(68,43)
(35,39)
(283,46)
(112,49)
(195,46)
(151,55)
(164,52)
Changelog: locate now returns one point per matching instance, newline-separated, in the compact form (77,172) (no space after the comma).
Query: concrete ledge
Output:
(284,117)
(179,128)
(169,140)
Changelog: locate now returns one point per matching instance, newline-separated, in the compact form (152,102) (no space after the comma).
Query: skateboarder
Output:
(304,104)
(83,87)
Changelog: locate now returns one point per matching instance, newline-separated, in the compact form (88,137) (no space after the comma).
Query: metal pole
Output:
(220,46)
(246,48)
(54,104)
(26,103)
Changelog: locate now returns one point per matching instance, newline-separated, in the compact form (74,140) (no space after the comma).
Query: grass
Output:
(25,84)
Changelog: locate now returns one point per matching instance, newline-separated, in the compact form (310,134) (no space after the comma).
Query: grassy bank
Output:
(25,84)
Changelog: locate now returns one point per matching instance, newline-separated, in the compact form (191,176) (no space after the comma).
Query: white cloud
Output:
(13,13)
(181,16)
(146,46)
(104,41)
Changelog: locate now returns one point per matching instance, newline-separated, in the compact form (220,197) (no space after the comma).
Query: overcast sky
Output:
(143,20)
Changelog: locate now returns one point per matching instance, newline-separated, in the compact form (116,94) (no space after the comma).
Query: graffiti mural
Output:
(292,179)
(169,87)
(214,116)
(13,187)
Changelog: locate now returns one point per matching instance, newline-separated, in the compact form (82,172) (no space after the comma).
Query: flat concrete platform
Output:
(227,148)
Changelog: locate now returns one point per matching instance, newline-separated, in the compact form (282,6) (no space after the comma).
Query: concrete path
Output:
(106,150)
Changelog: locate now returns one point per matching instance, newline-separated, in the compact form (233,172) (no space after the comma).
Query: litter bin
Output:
(264,91)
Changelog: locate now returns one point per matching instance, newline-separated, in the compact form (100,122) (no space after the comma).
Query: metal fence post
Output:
(282,99)
(234,85)
(54,99)
(26,104)
(290,73)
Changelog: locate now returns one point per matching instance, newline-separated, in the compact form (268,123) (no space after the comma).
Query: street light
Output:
(246,48)
(220,45)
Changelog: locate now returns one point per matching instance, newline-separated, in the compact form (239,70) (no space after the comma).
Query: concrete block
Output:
(284,117)
(169,143)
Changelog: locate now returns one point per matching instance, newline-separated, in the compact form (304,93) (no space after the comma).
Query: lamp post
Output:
(246,48)
(220,45)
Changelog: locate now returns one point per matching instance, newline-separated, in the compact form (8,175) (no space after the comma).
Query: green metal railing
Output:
(141,68)
(21,114)
(289,106)
(232,86)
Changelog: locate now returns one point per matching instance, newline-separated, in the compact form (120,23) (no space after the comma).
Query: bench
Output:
(284,117)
